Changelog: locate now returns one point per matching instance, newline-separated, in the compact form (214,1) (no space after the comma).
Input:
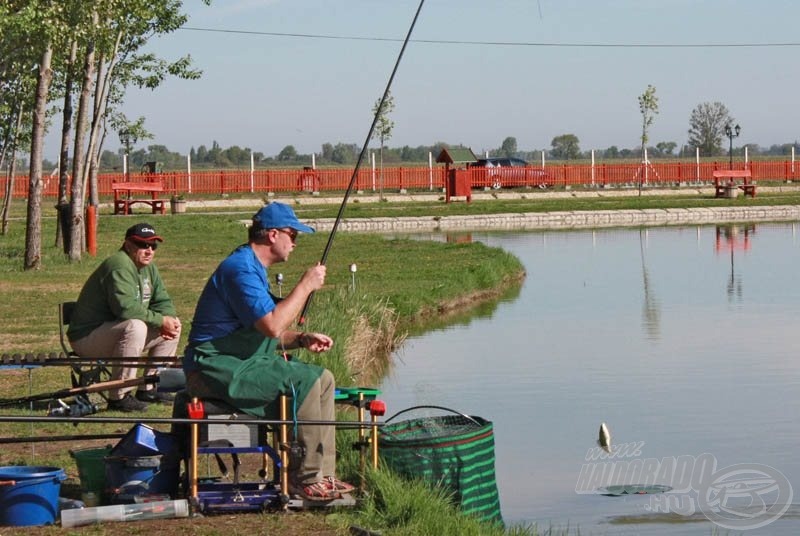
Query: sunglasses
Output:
(144,245)
(291,232)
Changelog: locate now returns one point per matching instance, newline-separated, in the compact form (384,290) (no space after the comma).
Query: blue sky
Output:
(265,92)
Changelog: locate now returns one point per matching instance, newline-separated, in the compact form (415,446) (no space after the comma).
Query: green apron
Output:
(245,370)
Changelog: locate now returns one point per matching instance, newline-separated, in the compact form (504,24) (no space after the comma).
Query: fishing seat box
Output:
(224,425)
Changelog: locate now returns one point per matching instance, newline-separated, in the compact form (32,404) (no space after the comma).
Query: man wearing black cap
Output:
(124,310)
(237,331)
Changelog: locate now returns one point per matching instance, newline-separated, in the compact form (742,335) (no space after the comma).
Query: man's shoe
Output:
(128,404)
(154,397)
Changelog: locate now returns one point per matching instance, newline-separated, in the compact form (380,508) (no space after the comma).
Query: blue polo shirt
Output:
(236,295)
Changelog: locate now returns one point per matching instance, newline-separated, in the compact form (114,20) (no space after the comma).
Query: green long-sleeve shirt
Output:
(117,290)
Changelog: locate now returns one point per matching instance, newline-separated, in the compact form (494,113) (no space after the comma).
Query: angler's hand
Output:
(316,342)
(314,277)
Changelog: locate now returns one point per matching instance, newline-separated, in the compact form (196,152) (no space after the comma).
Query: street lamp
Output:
(732,133)
(127,138)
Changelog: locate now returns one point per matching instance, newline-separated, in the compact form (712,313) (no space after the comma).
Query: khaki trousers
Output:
(129,338)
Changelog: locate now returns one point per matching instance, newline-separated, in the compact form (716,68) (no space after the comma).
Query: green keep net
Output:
(452,451)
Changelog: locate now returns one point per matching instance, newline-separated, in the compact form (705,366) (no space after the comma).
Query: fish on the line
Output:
(604,438)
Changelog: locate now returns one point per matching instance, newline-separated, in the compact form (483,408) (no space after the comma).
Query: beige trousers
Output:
(129,338)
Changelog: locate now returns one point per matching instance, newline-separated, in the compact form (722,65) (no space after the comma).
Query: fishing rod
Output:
(344,425)
(349,189)
(61,360)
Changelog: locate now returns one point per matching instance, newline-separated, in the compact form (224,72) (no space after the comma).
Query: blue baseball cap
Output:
(279,216)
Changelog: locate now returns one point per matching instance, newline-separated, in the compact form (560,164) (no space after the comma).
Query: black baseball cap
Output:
(144,232)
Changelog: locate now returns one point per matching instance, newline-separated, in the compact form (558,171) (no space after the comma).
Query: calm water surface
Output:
(682,339)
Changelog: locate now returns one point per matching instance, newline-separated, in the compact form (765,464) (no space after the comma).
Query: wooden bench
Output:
(124,193)
(730,178)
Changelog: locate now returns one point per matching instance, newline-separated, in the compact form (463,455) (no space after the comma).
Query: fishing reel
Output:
(79,408)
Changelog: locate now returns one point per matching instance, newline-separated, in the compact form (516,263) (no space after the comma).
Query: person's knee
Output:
(326,379)
(133,334)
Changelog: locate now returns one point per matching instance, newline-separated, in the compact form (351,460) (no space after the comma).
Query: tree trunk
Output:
(33,229)
(101,93)
(63,160)
(12,171)
(76,232)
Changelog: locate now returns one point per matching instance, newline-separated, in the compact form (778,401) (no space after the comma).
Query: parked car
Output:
(502,172)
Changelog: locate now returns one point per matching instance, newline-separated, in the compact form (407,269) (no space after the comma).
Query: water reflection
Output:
(458,238)
(651,313)
(732,238)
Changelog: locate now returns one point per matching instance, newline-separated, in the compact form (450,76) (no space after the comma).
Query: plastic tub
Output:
(142,440)
(91,468)
(130,476)
(29,495)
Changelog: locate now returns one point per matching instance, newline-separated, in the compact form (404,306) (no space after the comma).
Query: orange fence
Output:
(423,178)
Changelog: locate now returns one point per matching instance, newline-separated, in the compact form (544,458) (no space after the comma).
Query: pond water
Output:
(683,340)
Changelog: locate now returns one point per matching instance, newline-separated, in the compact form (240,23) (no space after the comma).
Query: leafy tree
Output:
(237,156)
(648,107)
(707,127)
(565,147)
(327,151)
(52,49)
(287,153)
(344,153)
(666,147)
(611,152)
(383,127)
(509,147)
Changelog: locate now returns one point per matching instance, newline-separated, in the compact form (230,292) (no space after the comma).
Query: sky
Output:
(474,73)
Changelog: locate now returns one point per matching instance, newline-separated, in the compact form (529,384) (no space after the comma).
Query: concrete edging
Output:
(566,220)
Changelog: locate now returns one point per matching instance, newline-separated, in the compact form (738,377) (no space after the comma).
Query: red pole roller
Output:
(377,408)
(91,230)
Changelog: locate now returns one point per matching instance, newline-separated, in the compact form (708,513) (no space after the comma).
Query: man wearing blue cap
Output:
(237,332)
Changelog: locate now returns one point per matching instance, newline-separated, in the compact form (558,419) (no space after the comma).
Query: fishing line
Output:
(349,189)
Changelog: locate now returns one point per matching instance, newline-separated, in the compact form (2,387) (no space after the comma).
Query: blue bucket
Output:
(29,495)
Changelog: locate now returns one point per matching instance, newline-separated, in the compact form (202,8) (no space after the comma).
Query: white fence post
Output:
(592,167)
(697,161)
(430,170)
(252,172)
(189,170)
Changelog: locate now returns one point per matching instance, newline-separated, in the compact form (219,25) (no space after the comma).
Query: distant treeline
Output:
(216,157)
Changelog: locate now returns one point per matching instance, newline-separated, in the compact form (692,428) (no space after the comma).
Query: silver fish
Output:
(604,438)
